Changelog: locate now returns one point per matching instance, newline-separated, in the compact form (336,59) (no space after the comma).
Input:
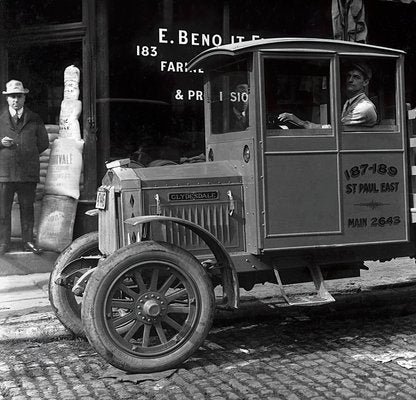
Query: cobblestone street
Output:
(273,358)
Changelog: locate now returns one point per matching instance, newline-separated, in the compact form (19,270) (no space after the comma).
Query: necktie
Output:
(346,107)
(16,118)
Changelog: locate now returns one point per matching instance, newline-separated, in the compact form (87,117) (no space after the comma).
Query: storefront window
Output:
(270,18)
(297,97)
(150,43)
(41,69)
(369,95)
(21,13)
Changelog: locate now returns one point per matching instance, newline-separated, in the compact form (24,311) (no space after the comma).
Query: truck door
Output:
(326,181)
(372,153)
(300,165)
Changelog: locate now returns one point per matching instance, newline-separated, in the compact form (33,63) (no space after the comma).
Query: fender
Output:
(231,287)
(83,264)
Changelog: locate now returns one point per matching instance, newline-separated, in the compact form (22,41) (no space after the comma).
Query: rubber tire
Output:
(61,298)
(100,282)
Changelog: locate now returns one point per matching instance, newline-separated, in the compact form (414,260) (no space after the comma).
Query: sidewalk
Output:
(24,282)
(25,312)
(24,294)
(19,262)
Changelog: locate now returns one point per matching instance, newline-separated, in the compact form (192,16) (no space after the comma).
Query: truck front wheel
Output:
(148,307)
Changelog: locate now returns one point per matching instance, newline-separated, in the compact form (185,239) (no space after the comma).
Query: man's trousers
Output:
(26,196)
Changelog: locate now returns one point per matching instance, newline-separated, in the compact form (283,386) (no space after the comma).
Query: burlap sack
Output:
(53,136)
(71,90)
(70,109)
(50,128)
(68,119)
(64,168)
(70,128)
(71,73)
(44,157)
(56,222)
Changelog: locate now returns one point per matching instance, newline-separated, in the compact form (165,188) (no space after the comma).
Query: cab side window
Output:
(297,97)
(229,99)
(368,94)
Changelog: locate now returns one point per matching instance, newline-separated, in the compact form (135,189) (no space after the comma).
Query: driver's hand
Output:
(285,117)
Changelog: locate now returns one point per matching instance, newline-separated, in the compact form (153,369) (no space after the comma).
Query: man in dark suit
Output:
(22,138)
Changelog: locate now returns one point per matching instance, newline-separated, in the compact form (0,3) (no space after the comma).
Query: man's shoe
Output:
(29,246)
(3,249)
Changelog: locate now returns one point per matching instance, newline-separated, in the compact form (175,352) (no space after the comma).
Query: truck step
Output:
(306,300)
(322,295)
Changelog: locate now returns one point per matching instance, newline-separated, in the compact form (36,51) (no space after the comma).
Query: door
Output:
(373,154)
(40,41)
(301,196)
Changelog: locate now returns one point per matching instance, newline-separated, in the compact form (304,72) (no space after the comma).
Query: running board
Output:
(322,295)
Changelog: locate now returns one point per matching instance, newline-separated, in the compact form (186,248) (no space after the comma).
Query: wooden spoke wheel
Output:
(148,307)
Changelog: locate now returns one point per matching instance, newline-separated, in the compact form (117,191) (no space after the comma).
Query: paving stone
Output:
(404,396)
(308,360)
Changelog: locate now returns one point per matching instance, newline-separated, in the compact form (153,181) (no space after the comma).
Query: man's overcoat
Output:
(20,163)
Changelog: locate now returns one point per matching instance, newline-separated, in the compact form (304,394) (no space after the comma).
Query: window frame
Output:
(378,128)
(213,75)
(303,132)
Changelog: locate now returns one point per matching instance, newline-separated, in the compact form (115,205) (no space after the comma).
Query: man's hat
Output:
(14,86)
(364,68)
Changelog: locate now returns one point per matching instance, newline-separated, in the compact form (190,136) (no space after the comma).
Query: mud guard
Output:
(231,287)
(92,261)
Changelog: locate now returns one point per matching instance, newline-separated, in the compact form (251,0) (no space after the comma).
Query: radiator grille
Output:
(214,217)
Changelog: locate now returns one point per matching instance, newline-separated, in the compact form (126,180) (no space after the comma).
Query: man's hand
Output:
(7,141)
(285,117)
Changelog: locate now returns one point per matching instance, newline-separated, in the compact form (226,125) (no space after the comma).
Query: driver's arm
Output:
(284,117)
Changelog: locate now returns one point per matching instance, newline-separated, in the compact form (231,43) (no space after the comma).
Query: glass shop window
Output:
(229,99)
(28,13)
(43,75)
(297,97)
(368,94)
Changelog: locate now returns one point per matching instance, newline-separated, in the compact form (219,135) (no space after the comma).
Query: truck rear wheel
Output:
(66,305)
(148,307)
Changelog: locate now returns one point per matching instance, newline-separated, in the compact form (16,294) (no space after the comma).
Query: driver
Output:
(239,110)
(357,110)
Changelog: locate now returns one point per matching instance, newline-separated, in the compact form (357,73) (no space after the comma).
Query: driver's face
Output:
(356,82)
(242,96)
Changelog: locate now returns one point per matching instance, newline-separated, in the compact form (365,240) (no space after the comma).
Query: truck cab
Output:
(334,184)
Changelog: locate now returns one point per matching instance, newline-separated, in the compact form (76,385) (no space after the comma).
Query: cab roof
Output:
(217,55)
